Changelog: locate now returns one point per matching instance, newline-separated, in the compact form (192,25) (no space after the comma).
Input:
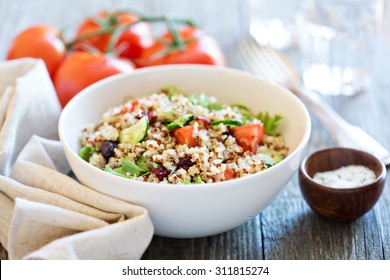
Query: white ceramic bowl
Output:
(187,211)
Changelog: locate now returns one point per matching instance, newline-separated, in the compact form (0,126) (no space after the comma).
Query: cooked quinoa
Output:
(170,137)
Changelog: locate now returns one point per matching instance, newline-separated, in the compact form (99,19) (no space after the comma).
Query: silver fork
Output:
(271,65)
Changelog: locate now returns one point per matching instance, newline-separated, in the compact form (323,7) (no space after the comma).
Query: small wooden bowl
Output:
(341,204)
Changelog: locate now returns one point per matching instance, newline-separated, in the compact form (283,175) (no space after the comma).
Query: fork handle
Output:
(342,132)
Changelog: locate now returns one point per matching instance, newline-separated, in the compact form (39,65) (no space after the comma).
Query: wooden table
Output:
(287,229)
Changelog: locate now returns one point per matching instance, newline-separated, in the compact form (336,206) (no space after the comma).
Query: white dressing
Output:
(345,177)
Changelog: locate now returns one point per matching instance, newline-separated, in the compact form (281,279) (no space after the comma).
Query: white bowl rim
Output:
(183,187)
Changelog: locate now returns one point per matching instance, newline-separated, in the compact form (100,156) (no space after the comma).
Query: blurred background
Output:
(213,15)
(229,21)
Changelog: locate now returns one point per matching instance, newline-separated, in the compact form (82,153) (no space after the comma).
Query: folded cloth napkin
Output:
(45,214)
(28,106)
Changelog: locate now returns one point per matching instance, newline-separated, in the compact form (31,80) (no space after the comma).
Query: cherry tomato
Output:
(41,41)
(132,41)
(249,136)
(81,69)
(199,48)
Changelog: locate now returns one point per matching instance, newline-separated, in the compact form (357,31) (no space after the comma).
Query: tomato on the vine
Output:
(77,63)
(41,41)
(131,41)
(81,69)
(197,47)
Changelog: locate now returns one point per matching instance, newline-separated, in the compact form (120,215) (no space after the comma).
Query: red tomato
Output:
(131,108)
(261,133)
(81,69)
(199,48)
(132,41)
(229,174)
(249,136)
(41,41)
(184,136)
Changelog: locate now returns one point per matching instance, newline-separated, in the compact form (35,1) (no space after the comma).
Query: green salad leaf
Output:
(138,168)
(117,171)
(204,101)
(232,123)
(243,109)
(171,90)
(180,122)
(86,152)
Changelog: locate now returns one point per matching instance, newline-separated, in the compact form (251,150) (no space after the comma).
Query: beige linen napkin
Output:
(45,214)
(28,106)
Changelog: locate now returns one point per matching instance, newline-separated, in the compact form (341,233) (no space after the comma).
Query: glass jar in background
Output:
(337,42)
(272,22)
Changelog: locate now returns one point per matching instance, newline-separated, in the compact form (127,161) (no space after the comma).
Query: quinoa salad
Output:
(173,137)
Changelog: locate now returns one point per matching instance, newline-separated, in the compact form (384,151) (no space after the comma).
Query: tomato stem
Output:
(110,28)
(83,36)
(177,41)
(164,18)
(115,36)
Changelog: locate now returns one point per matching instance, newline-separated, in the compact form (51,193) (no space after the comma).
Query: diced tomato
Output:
(184,136)
(249,136)
(261,133)
(229,174)
(130,109)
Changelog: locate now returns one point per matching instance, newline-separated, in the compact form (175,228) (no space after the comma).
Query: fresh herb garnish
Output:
(270,123)
(199,180)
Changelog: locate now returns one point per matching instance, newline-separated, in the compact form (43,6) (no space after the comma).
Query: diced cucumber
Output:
(227,122)
(135,133)
(270,157)
(168,115)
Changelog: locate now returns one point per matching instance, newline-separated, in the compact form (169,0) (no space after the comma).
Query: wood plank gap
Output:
(262,237)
